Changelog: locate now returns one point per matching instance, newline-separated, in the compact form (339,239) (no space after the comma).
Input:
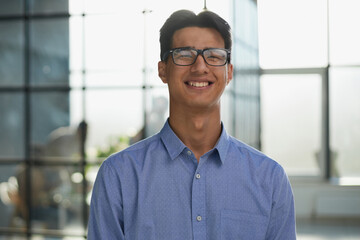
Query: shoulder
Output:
(254,160)
(246,151)
(134,154)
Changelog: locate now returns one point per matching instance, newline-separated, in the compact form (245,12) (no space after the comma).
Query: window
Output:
(345,121)
(291,123)
(309,86)
(292,34)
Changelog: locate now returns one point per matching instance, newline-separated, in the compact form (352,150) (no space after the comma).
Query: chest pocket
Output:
(238,225)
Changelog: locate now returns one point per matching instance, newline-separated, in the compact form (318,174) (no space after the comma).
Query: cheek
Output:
(224,76)
(175,74)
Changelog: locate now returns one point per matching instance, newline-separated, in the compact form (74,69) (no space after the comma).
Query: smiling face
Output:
(198,86)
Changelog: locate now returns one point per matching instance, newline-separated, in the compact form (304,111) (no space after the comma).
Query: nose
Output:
(200,65)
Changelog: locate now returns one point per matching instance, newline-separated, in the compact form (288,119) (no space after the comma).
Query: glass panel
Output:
(76,43)
(51,133)
(158,6)
(125,77)
(152,77)
(227,110)
(13,237)
(76,107)
(297,41)
(90,175)
(247,84)
(116,46)
(12,199)
(113,116)
(49,6)
(291,121)
(76,79)
(12,53)
(56,195)
(151,24)
(157,110)
(344,41)
(247,108)
(246,16)
(107,6)
(247,120)
(12,122)
(345,121)
(9,7)
(245,58)
(241,110)
(49,52)
(76,6)
(57,128)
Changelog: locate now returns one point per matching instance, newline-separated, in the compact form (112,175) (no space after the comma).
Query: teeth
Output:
(199,84)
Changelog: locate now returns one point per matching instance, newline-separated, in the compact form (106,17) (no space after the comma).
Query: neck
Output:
(198,130)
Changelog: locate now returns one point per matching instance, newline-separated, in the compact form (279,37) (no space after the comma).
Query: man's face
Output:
(198,86)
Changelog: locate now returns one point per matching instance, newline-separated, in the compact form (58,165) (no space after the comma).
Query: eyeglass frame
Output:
(199,52)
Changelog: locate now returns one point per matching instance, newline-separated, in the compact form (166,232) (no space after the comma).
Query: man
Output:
(192,180)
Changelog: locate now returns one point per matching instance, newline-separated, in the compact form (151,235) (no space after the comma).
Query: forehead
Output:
(197,37)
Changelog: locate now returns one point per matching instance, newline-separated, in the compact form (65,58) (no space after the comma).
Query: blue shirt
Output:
(155,190)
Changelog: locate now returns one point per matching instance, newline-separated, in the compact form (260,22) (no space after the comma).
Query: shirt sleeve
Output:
(106,219)
(282,219)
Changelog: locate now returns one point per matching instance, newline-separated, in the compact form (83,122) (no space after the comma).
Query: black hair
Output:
(185,18)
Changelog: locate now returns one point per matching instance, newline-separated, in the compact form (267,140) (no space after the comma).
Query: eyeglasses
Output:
(187,56)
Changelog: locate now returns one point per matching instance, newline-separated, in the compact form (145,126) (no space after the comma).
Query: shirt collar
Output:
(172,143)
(222,145)
(175,146)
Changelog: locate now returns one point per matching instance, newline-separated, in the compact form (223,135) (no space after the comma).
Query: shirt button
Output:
(189,153)
(197,176)
(199,218)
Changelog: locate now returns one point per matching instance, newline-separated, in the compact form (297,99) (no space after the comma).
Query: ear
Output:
(162,71)
(230,73)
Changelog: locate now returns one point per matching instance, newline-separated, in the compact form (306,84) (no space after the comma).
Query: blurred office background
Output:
(78,81)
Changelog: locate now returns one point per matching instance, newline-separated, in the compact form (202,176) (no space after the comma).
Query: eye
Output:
(184,54)
(215,55)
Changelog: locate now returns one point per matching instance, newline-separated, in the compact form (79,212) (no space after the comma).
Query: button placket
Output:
(198,204)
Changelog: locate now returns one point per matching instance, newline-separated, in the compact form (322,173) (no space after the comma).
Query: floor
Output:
(328,230)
